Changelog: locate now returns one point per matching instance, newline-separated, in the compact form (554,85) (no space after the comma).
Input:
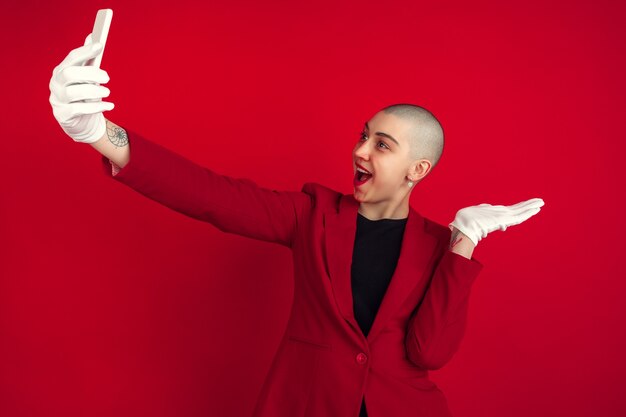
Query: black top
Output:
(376,251)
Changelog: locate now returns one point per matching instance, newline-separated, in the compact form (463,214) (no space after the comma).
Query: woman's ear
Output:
(422,168)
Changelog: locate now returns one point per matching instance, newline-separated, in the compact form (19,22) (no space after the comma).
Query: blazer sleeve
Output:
(437,326)
(233,205)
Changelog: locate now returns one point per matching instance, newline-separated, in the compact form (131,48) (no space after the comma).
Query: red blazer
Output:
(324,364)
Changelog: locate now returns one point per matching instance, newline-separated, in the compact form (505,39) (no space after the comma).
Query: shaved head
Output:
(426,135)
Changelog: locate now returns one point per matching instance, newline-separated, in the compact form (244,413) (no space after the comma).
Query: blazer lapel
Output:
(418,247)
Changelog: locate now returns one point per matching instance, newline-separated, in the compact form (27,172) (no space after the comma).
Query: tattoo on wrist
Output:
(117,136)
(455,239)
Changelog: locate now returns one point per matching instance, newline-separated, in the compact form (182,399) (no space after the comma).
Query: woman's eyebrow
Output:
(383,134)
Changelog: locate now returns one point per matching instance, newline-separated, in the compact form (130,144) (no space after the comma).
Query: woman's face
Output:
(383,150)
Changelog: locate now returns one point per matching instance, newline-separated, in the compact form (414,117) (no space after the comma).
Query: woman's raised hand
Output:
(478,221)
(76,94)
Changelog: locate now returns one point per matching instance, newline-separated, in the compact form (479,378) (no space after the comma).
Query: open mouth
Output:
(361,178)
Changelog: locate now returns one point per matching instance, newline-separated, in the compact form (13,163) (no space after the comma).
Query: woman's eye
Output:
(364,136)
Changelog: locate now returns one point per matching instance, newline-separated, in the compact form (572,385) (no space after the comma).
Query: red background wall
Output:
(112,305)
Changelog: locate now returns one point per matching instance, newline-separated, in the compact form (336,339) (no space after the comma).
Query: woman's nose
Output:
(361,151)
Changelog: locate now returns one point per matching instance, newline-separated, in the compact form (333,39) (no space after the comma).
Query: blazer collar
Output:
(418,247)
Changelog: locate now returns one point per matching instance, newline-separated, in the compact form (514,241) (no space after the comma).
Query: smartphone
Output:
(99,34)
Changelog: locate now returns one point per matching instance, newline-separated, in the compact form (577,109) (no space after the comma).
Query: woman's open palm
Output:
(478,221)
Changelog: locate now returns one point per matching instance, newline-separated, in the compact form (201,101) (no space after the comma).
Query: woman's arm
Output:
(233,205)
(435,330)
(114,144)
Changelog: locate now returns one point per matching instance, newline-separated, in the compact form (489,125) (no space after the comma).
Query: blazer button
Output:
(361,358)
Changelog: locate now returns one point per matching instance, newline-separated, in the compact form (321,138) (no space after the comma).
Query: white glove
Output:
(477,221)
(76,94)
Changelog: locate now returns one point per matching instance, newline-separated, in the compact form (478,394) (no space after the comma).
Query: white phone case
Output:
(99,33)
